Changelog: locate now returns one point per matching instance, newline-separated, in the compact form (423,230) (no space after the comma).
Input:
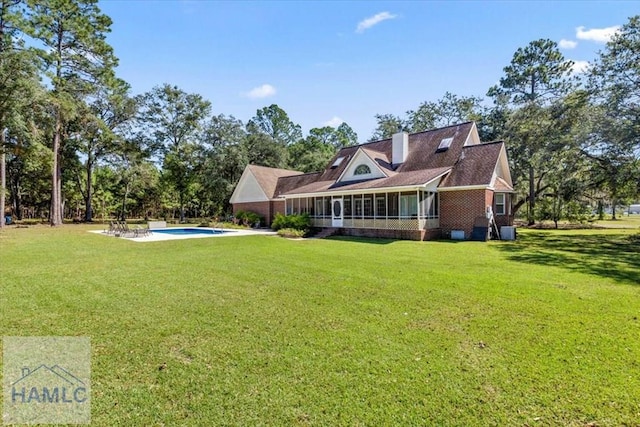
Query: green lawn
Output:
(268,331)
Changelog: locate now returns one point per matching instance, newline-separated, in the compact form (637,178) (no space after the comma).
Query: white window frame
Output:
(503,204)
(361,167)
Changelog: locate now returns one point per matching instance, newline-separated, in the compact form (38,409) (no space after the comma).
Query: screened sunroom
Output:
(391,210)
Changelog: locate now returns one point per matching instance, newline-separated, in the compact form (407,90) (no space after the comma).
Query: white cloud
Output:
(369,22)
(263,91)
(567,44)
(580,66)
(600,35)
(334,122)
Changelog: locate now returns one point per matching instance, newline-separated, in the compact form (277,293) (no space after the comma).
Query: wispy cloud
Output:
(567,44)
(369,22)
(263,91)
(334,122)
(580,66)
(600,35)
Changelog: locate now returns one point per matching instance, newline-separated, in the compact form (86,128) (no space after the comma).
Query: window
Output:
(319,210)
(381,206)
(357,205)
(430,204)
(500,204)
(444,144)
(368,205)
(392,204)
(347,206)
(409,205)
(362,170)
(337,162)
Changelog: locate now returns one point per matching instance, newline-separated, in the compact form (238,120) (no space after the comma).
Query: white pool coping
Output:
(157,237)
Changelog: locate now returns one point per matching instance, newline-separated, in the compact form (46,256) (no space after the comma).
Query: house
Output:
(421,186)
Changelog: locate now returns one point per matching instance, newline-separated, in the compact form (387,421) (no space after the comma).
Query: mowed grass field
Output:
(267,331)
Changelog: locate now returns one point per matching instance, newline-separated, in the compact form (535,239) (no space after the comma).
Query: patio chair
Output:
(139,231)
(125,230)
(112,228)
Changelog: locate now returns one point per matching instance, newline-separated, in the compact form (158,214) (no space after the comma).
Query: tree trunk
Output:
(55,215)
(181,210)
(88,215)
(124,202)
(600,210)
(532,196)
(3,176)
(614,202)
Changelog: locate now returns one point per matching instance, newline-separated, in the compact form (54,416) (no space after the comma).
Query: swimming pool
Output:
(182,231)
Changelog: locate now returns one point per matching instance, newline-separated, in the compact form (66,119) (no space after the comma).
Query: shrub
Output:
(249,219)
(291,233)
(296,222)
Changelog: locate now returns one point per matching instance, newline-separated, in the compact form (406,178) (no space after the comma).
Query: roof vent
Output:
(444,144)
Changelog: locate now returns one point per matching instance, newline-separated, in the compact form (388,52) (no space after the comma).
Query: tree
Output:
(312,153)
(101,124)
(76,58)
(18,82)
(274,122)
(565,170)
(537,75)
(174,120)
(448,110)
(262,150)
(614,144)
(346,136)
(221,131)
(387,125)
(223,162)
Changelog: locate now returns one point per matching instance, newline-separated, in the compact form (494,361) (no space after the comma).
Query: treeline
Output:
(573,139)
(77,144)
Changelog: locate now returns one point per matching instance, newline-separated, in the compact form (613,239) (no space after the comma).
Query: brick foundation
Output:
(391,234)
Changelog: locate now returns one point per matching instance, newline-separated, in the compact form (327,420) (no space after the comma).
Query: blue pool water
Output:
(183,231)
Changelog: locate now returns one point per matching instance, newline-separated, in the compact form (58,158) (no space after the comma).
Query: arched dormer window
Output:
(362,170)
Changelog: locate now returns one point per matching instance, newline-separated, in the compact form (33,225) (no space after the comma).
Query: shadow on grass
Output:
(605,255)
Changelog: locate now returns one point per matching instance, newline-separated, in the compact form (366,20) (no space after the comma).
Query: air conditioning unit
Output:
(457,234)
(507,233)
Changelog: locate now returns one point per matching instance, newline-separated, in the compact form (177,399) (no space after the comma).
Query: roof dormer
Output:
(364,165)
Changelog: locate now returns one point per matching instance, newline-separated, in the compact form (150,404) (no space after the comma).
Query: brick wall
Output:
(459,209)
(276,207)
(261,208)
(266,209)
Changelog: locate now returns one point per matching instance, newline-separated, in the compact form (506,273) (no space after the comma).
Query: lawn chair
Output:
(139,231)
(112,228)
(125,230)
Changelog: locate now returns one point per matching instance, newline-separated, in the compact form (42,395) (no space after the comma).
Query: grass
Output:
(269,331)
(623,221)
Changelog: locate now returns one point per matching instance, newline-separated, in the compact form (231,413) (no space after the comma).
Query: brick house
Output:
(420,186)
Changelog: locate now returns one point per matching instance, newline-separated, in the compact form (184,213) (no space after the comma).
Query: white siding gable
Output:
(248,189)
(473,138)
(360,158)
(502,168)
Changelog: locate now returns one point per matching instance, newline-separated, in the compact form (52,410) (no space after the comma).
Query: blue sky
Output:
(323,62)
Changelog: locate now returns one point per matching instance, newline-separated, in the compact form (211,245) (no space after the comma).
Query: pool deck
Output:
(157,237)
